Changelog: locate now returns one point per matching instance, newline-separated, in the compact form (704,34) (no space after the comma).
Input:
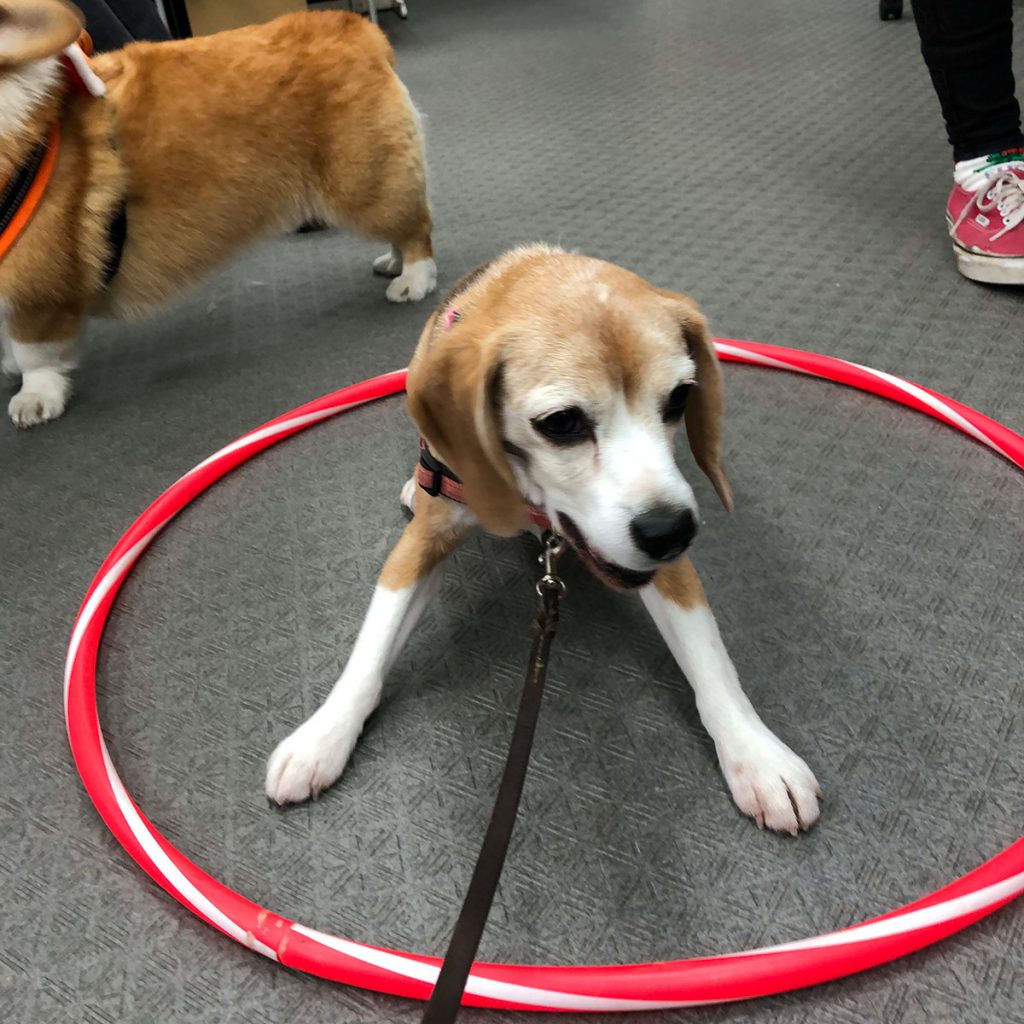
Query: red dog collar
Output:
(436,478)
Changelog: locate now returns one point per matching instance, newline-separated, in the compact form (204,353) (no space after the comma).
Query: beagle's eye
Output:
(675,404)
(566,426)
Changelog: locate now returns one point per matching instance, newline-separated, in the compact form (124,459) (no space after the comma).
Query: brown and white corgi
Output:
(112,204)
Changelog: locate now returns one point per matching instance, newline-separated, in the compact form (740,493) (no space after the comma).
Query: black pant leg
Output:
(115,23)
(968,47)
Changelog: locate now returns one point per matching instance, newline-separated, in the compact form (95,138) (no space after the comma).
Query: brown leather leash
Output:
(451,982)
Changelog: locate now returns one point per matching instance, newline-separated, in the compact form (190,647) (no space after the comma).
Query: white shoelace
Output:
(1004,193)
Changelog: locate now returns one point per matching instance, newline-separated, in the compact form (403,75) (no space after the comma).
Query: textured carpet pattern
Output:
(783,162)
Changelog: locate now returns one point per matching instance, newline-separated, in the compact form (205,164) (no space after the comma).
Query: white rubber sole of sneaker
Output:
(989,269)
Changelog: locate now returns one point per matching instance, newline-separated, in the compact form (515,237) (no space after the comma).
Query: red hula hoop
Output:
(743,975)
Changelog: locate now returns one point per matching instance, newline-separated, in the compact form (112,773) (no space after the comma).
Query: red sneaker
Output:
(985,214)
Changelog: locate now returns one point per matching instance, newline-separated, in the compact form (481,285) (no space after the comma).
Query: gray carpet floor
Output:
(783,162)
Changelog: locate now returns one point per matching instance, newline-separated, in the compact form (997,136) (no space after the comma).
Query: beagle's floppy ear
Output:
(34,29)
(706,401)
(455,394)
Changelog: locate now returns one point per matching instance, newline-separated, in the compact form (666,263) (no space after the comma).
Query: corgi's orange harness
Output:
(25,187)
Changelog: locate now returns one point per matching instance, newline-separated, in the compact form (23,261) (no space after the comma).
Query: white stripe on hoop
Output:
(277,428)
(118,570)
(170,872)
(164,865)
(488,987)
(905,386)
(899,924)
(114,575)
(908,921)
(756,357)
(930,400)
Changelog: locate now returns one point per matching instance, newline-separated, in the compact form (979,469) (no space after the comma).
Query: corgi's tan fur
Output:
(213,143)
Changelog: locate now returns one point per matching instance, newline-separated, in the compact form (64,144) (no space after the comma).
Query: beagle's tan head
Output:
(33,29)
(560,380)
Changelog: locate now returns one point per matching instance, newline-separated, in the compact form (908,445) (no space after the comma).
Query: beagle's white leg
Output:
(767,780)
(315,754)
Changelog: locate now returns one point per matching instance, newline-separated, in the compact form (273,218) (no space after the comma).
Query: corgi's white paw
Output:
(43,397)
(416,281)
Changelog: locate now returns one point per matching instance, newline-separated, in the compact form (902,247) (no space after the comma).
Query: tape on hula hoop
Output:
(643,986)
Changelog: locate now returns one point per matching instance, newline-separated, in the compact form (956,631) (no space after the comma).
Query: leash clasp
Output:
(551,583)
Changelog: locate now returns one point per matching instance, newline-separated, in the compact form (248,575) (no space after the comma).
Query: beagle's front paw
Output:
(769,782)
(308,761)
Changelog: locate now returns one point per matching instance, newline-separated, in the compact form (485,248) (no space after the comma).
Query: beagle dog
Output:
(551,386)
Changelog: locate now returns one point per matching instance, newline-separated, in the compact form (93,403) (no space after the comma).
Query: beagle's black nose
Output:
(663,533)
